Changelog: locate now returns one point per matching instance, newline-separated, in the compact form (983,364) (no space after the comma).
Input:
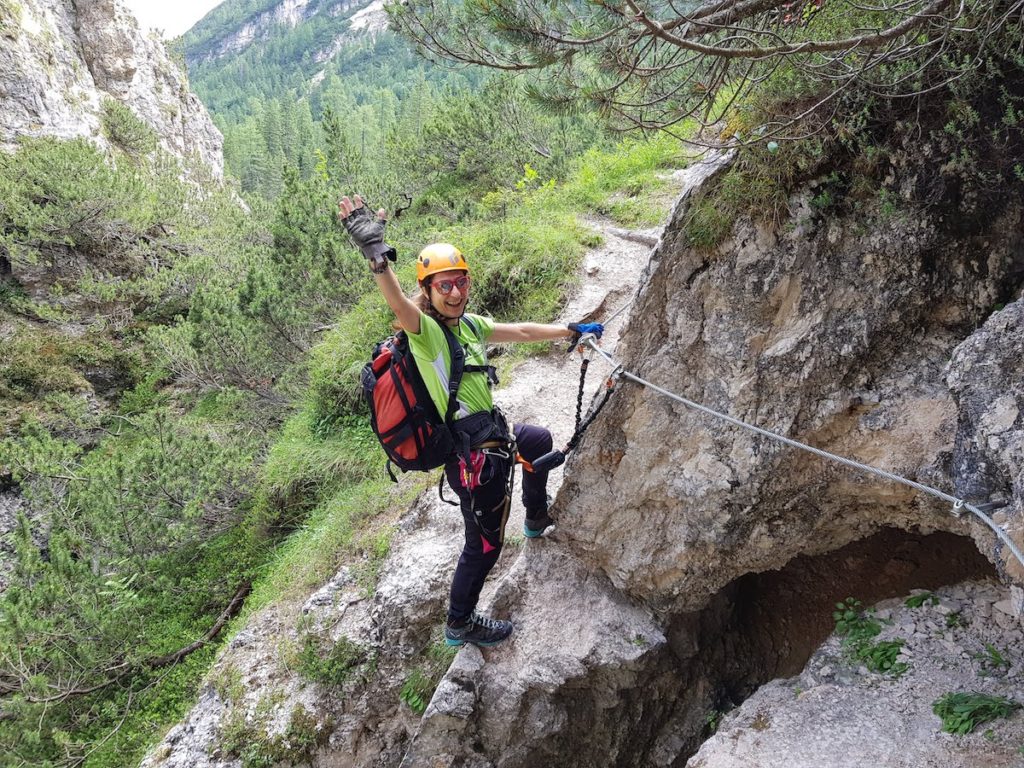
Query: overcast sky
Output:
(173,18)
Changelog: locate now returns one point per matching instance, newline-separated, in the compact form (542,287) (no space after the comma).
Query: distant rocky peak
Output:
(372,18)
(365,16)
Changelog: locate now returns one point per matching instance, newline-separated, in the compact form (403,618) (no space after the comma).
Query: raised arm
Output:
(408,314)
(369,236)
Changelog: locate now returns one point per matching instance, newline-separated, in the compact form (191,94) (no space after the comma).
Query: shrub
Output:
(124,128)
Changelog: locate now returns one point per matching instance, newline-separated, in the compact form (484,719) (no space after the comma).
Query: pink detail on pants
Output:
(469,473)
(488,547)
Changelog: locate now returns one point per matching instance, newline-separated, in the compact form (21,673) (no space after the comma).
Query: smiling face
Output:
(452,305)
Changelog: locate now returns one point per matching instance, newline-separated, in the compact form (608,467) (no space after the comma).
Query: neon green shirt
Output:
(433,360)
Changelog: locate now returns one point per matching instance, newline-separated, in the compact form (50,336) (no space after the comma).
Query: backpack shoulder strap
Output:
(458,358)
(490,370)
(472,327)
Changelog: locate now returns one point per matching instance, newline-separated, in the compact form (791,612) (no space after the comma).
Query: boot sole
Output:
(460,643)
(455,643)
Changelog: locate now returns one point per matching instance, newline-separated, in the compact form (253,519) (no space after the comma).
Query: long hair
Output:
(422,302)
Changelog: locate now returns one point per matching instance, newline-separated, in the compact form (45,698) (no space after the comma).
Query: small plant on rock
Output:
(419,685)
(858,630)
(963,712)
(854,624)
(881,657)
(228,684)
(992,661)
(712,720)
(416,691)
(255,747)
(329,663)
(916,601)
(955,620)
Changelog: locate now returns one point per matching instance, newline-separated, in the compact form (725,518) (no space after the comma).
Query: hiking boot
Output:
(478,630)
(535,526)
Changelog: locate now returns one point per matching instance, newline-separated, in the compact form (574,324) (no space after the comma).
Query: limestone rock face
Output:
(60,60)
(582,654)
(837,333)
(986,377)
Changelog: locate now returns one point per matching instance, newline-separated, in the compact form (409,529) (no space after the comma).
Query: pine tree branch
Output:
(226,615)
(119,672)
(751,51)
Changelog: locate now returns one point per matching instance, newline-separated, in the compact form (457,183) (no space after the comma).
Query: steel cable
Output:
(958,504)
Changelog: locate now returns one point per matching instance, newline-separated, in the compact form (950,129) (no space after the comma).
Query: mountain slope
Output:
(265,49)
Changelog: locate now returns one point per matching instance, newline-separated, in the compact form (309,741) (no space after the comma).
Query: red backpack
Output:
(402,413)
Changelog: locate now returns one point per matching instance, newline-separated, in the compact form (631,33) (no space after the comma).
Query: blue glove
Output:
(582,328)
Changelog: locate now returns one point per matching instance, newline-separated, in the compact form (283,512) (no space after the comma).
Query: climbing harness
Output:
(497,442)
(958,505)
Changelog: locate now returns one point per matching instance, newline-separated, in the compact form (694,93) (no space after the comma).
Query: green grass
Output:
(623,183)
(334,393)
(330,536)
(301,469)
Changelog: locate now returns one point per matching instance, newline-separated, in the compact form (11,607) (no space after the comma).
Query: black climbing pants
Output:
(485,512)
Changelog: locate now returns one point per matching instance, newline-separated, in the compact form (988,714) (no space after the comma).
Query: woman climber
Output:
(481,473)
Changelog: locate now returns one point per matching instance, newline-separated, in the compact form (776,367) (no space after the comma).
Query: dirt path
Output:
(543,390)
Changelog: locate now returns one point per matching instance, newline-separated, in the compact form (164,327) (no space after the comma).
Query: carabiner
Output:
(583,346)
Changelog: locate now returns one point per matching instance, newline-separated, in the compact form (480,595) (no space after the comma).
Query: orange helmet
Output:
(439,257)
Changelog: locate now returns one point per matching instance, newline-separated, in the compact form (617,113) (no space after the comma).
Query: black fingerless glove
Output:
(367,232)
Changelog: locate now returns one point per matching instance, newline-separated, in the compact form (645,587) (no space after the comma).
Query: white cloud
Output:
(172,19)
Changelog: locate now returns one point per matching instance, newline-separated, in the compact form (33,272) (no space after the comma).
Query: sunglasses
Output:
(445,286)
